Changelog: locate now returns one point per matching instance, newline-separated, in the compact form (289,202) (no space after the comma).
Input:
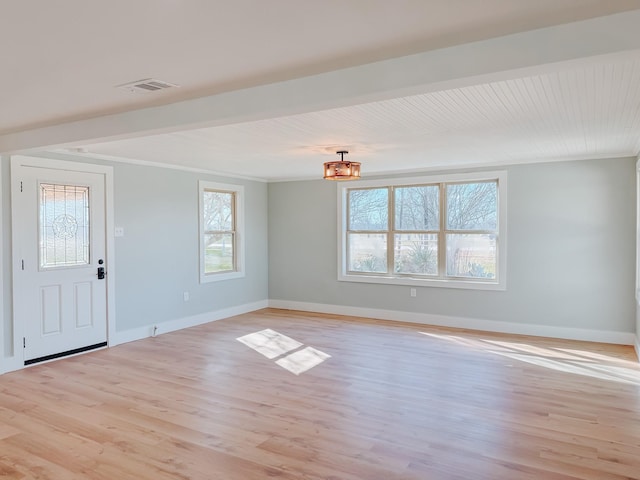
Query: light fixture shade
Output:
(342,169)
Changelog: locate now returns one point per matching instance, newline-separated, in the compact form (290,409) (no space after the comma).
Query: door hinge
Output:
(24,342)
(22,261)
(21,186)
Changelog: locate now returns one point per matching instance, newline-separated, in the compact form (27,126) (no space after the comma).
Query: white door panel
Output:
(61,242)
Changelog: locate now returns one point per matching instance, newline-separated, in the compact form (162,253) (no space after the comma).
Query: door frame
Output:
(18,163)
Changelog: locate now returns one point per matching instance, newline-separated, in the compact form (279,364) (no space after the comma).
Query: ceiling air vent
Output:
(147,85)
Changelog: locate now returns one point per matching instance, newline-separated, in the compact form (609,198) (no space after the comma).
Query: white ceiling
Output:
(60,68)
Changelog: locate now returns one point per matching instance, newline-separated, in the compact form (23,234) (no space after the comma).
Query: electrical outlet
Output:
(413,292)
(185,296)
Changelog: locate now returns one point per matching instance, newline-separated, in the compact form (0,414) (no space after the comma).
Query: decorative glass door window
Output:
(64,225)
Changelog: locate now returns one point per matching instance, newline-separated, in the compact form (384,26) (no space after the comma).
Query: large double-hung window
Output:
(433,231)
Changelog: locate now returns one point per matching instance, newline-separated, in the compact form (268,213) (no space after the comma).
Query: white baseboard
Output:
(186,322)
(604,336)
(11,364)
(623,338)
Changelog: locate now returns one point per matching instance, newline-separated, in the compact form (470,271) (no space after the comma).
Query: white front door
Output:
(60,294)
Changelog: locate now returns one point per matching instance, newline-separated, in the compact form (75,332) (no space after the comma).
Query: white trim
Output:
(147,163)
(435,169)
(239,229)
(637,339)
(186,322)
(436,178)
(638,233)
(2,319)
(140,333)
(603,336)
(19,161)
(11,364)
(501,280)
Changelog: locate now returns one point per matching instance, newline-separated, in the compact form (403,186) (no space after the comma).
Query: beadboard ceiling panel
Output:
(574,113)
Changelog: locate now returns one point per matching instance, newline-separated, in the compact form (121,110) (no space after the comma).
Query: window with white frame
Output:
(447,231)
(221,231)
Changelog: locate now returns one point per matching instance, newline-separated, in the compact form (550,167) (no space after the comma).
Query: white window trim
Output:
(239,272)
(638,236)
(500,282)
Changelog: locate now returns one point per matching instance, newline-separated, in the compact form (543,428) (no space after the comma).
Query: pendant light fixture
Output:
(342,169)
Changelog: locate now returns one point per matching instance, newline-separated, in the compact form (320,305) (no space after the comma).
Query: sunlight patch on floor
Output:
(568,360)
(286,350)
(269,343)
(303,360)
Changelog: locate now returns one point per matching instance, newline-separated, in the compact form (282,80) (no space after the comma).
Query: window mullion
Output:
(234,237)
(442,246)
(472,232)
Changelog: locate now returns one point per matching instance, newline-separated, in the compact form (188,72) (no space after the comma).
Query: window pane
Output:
(368,252)
(369,209)
(417,208)
(472,206)
(218,252)
(218,210)
(416,253)
(471,256)
(64,225)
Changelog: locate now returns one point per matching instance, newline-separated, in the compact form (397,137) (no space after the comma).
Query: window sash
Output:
(232,264)
(231,232)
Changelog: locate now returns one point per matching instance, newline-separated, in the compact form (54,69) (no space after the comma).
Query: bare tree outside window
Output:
(440,230)
(219,231)
(417,215)
(369,209)
(472,212)
(472,206)
(368,225)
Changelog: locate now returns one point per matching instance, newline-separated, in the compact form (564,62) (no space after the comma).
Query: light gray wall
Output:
(157,259)
(571,251)
(571,233)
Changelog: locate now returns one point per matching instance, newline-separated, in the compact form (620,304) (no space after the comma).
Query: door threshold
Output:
(68,353)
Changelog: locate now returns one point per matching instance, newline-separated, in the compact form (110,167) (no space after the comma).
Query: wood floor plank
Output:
(393,401)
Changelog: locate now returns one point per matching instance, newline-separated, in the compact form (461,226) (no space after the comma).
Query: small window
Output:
(447,231)
(221,235)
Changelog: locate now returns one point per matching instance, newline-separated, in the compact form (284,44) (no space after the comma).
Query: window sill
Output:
(424,282)
(217,277)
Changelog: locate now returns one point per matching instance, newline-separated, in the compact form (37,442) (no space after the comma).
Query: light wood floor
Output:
(394,401)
